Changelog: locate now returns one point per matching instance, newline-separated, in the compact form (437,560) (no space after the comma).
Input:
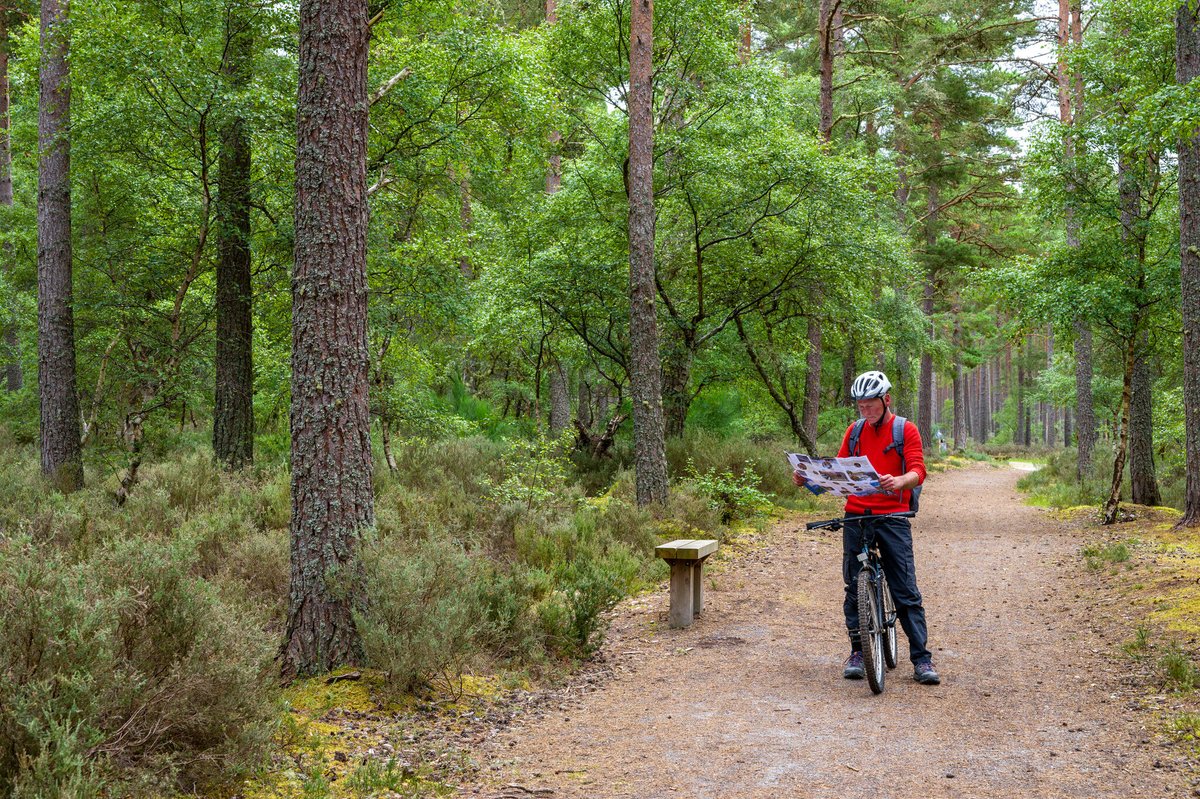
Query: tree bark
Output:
(1114,492)
(959,387)
(1019,434)
(1144,488)
(676,376)
(1143,485)
(812,378)
(1070,101)
(825,44)
(925,387)
(1051,410)
(13,377)
(560,399)
(645,378)
(1187,68)
(62,457)
(233,413)
(332,504)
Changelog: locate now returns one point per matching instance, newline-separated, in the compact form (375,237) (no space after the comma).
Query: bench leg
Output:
(682,596)
(698,588)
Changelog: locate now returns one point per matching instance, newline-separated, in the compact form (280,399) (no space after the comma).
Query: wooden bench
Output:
(687,577)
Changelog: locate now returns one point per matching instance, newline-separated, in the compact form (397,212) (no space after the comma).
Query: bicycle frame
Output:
(879,640)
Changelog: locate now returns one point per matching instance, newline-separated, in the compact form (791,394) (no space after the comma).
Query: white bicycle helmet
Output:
(870,385)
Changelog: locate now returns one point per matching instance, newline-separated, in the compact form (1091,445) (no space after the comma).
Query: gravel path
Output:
(749,701)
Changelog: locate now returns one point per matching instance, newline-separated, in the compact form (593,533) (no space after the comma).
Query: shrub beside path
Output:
(749,701)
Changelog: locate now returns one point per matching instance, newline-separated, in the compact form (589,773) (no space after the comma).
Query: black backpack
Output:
(897,444)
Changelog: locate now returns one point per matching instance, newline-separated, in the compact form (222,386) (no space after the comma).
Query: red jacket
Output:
(871,443)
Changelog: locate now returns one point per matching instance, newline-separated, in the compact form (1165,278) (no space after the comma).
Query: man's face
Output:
(872,409)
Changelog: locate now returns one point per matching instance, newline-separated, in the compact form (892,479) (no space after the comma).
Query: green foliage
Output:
(1097,556)
(1140,644)
(398,780)
(1179,672)
(422,610)
(123,670)
(735,497)
(537,473)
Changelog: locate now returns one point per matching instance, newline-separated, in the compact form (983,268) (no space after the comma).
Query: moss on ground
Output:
(1153,568)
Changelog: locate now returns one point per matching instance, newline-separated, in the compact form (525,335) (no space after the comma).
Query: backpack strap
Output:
(855,434)
(898,440)
(898,423)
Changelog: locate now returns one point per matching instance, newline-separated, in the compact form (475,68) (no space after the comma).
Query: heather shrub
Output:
(422,610)
(706,453)
(125,670)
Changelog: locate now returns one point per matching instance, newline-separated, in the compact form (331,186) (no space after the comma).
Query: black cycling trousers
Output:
(896,551)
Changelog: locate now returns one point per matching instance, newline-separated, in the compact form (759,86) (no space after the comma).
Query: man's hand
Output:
(891,482)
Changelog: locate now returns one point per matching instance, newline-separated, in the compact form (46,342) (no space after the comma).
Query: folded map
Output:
(841,476)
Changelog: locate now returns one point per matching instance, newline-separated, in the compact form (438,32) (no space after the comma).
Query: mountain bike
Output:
(876,608)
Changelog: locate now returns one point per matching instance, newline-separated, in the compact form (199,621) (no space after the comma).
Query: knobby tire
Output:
(870,632)
(889,619)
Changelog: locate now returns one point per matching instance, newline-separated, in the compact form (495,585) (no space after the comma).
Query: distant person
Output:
(901,468)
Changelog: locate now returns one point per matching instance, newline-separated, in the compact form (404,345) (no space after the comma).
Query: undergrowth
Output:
(136,650)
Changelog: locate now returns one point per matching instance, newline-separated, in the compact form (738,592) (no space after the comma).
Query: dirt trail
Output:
(749,701)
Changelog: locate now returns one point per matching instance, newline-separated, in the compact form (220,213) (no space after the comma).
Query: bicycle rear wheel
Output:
(870,630)
(889,623)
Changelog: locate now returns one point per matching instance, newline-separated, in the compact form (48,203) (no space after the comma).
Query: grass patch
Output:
(1185,726)
(1098,555)
(1138,647)
(1178,670)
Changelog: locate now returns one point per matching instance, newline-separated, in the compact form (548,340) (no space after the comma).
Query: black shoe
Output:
(854,669)
(924,673)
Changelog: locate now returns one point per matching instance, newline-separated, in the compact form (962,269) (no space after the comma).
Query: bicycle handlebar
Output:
(836,523)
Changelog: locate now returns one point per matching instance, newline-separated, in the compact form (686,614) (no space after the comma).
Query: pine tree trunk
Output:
(1052,415)
(332,504)
(62,458)
(233,412)
(1085,415)
(1187,68)
(1144,488)
(825,41)
(1070,101)
(925,387)
(812,379)
(1067,431)
(1019,433)
(1143,485)
(645,378)
(10,351)
(560,399)
(1114,493)
(958,385)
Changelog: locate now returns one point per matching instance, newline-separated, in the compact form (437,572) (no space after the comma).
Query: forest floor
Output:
(1039,696)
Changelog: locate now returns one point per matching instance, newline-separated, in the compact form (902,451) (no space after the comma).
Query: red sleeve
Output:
(844,452)
(914,452)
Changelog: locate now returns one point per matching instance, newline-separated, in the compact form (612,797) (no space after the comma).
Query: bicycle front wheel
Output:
(889,623)
(870,630)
